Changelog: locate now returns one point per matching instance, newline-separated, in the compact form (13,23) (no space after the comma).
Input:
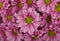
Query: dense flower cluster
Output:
(29,20)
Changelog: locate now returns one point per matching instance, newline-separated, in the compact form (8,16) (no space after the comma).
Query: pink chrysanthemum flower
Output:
(57,6)
(55,17)
(46,19)
(13,34)
(46,5)
(18,5)
(3,5)
(2,33)
(30,3)
(8,17)
(28,20)
(51,33)
(50,18)
(34,37)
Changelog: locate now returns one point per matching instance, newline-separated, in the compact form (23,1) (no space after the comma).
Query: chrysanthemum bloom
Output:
(3,5)
(34,37)
(30,3)
(57,7)
(50,18)
(46,5)
(55,17)
(8,17)
(13,34)
(18,5)
(46,20)
(28,20)
(51,33)
(2,33)
(43,20)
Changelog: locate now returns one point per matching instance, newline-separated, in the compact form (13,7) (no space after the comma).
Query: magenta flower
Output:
(57,6)
(46,19)
(55,17)
(13,34)
(28,20)
(8,17)
(46,5)
(34,37)
(51,33)
(30,3)
(18,5)
(2,33)
(3,5)
(50,18)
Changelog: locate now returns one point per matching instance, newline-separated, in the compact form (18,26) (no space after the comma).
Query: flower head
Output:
(28,20)
(57,7)
(52,33)
(8,17)
(46,6)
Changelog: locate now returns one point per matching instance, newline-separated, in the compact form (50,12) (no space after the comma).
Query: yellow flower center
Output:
(35,37)
(20,5)
(51,33)
(57,7)
(14,32)
(1,4)
(29,20)
(47,2)
(9,17)
(29,2)
(48,19)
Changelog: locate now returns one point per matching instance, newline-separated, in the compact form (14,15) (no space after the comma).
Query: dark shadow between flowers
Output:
(40,27)
(22,40)
(40,12)
(9,2)
(1,21)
